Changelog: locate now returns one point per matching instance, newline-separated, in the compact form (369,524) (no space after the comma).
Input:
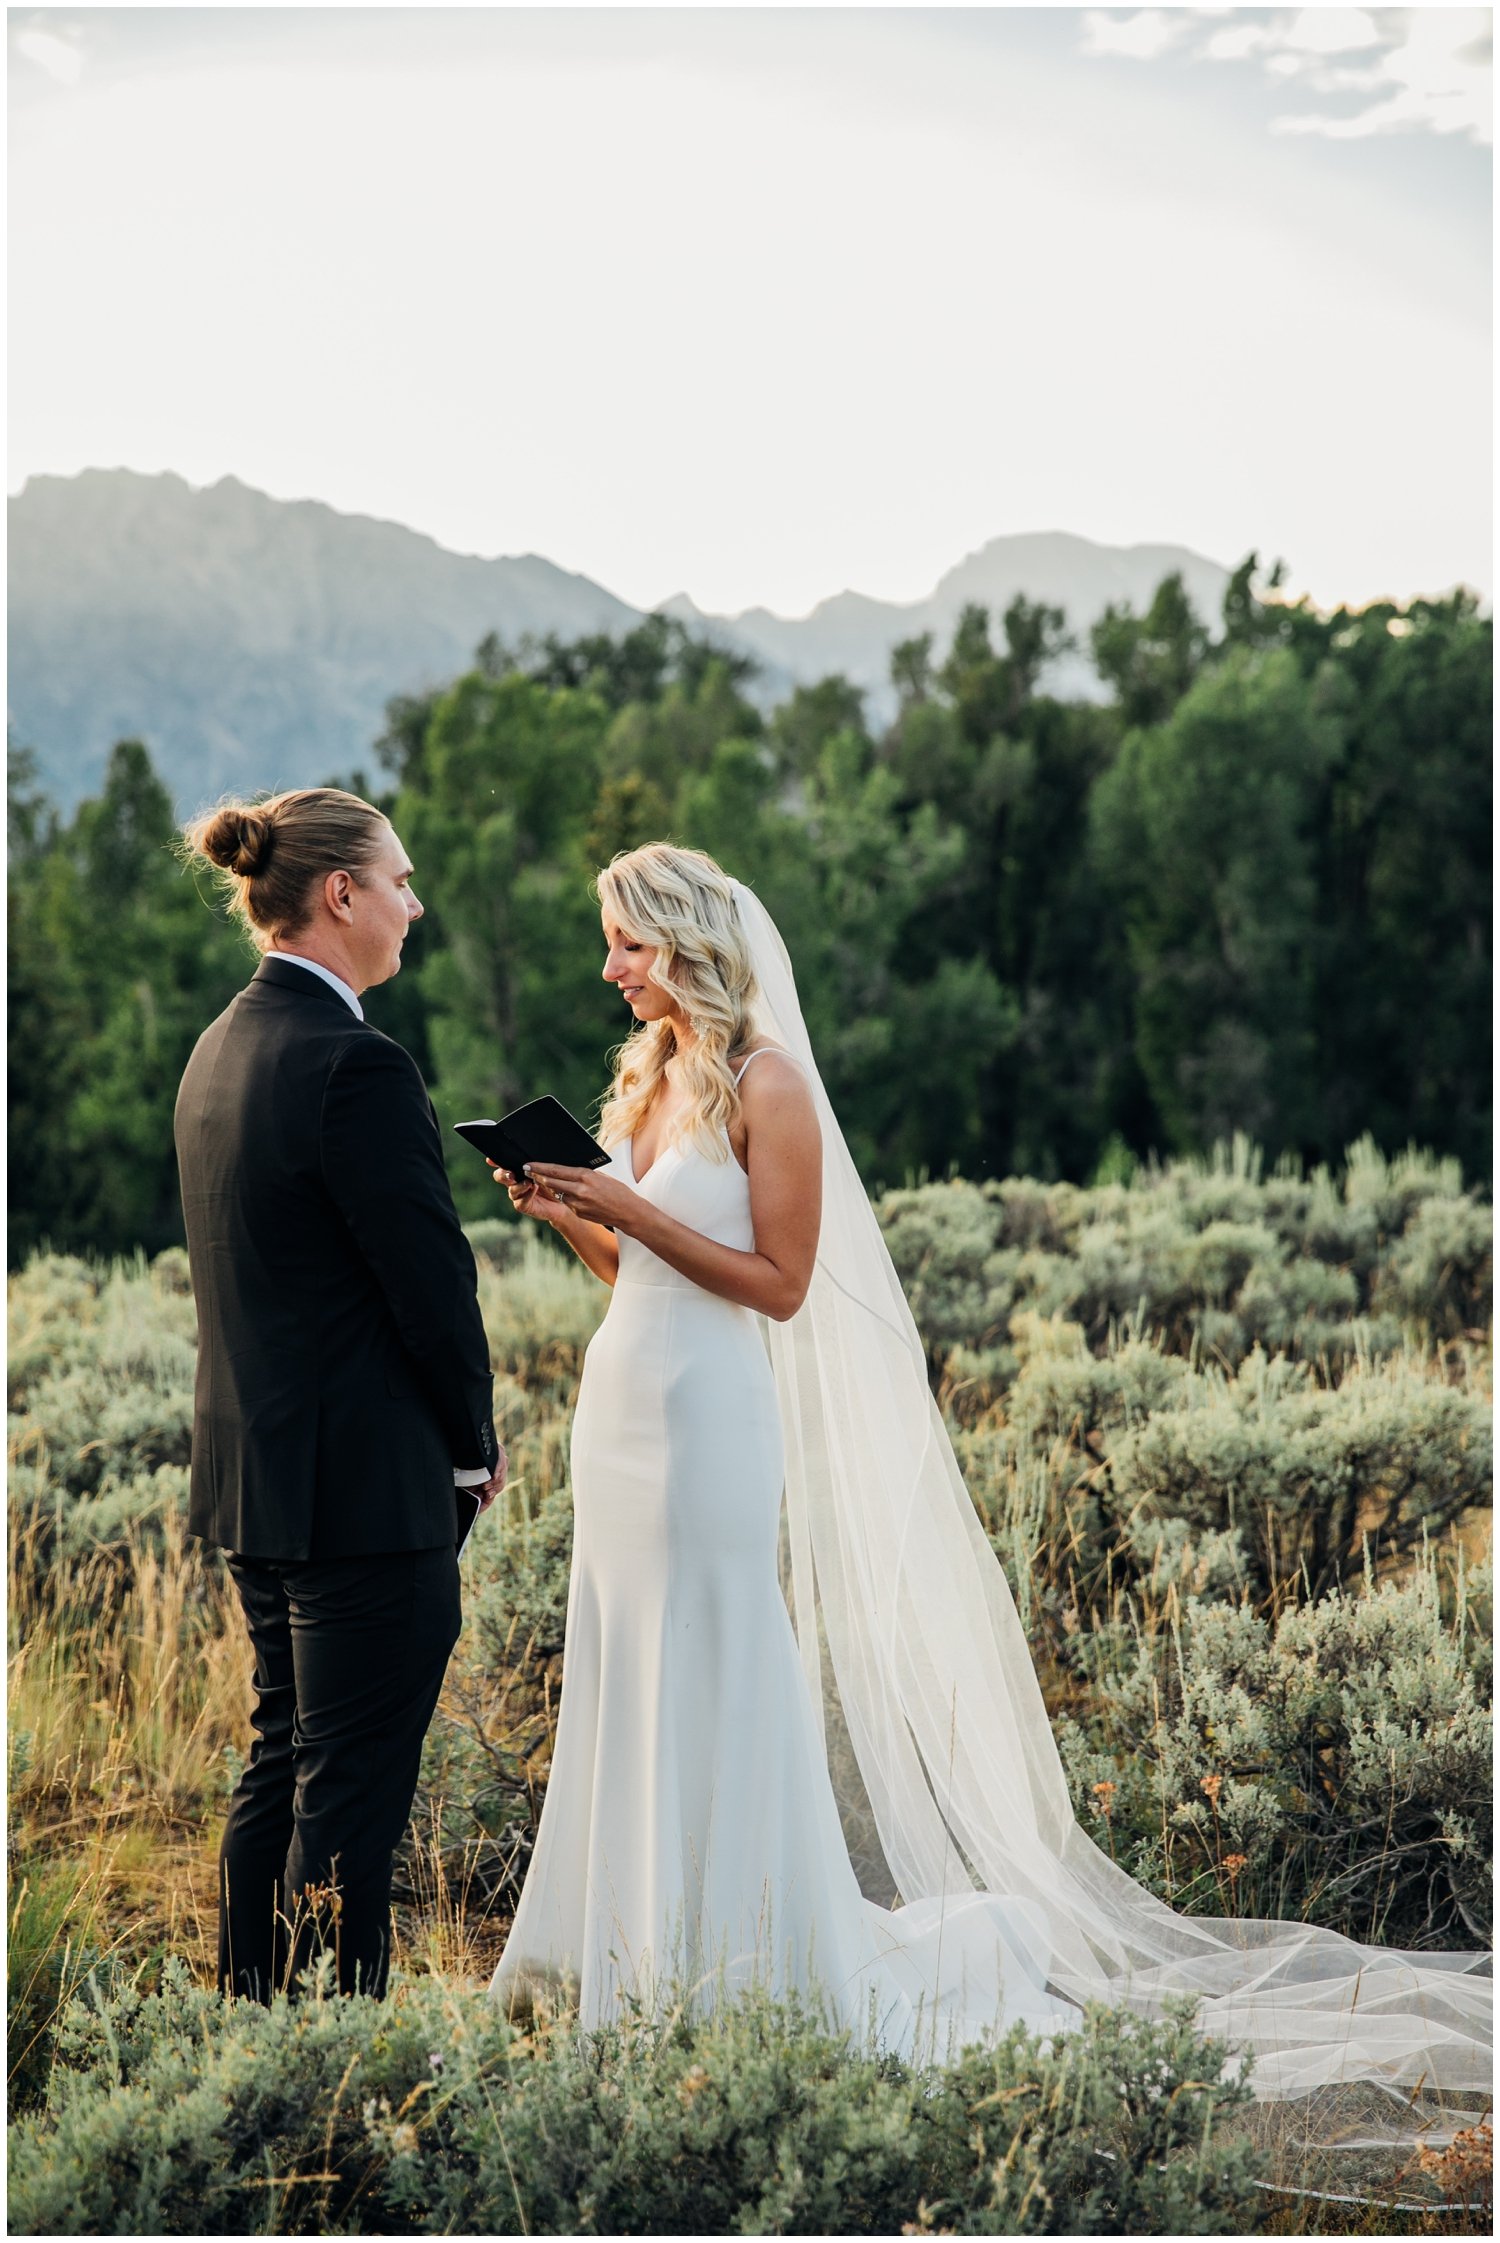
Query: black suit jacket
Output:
(343,1369)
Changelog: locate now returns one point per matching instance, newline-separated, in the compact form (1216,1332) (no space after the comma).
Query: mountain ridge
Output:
(255,641)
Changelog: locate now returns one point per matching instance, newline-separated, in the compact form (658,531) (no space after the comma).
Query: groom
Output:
(343,1389)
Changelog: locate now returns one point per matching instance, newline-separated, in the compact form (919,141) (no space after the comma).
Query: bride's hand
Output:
(584,1191)
(525,1198)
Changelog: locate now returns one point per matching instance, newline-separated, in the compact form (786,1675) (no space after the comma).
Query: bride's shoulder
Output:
(764,1048)
(776,1079)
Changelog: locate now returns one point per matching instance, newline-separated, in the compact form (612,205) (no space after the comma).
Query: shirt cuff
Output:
(470,1477)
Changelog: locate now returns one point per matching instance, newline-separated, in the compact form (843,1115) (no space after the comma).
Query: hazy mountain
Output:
(254,642)
(249,641)
(854,635)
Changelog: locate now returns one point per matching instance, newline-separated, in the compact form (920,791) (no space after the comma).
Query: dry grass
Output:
(129,1716)
(129,1708)
(449,1928)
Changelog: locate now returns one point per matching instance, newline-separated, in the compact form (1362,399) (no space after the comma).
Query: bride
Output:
(758,1372)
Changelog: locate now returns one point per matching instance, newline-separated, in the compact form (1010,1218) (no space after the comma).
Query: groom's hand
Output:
(495,1482)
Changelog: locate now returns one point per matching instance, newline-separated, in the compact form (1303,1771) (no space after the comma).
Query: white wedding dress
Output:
(690,1830)
(713,1728)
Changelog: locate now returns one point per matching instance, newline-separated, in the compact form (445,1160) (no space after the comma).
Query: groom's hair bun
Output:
(238,839)
(272,857)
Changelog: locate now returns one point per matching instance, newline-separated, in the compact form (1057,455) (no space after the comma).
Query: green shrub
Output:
(498,1239)
(1440,1271)
(1109,2137)
(541,1309)
(427,2113)
(1303,1472)
(1333,1766)
(944,1240)
(51,1300)
(102,1364)
(1064,1392)
(1204,1254)
(524,1594)
(1156,1468)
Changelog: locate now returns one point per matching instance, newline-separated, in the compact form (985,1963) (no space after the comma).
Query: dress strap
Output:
(756,1055)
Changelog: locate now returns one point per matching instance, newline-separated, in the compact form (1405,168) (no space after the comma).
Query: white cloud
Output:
(1294,39)
(1338,79)
(1143,36)
(1428,69)
(59,58)
(1437,79)
(1331,31)
(1237,43)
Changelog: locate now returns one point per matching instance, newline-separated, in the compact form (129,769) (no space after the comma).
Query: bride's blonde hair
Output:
(682,904)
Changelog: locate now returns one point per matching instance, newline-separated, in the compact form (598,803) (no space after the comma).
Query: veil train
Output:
(905,1621)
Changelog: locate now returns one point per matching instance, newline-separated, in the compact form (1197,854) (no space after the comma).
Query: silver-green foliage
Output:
(1289,1478)
(101,1395)
(1300,1472)
(1338,1760)
(1206,1252)
(428,2114)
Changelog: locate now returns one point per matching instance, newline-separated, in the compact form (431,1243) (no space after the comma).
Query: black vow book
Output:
(544,1130)
(466,1508)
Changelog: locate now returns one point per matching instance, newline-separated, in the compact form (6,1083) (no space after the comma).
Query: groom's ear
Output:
(338,893)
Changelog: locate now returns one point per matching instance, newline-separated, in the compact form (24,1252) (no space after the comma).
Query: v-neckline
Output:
(651,1171)
(661,1153)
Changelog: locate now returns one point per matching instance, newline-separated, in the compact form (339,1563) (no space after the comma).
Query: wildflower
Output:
(1104,1794)
(435,2060)
(1463,2168)
(1234,1863)
(1212,1785)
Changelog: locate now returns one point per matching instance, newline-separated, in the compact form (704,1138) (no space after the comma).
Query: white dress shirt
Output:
(293,958)
(465,1476)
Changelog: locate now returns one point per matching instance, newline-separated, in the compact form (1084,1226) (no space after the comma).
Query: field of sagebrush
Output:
(1229,1434)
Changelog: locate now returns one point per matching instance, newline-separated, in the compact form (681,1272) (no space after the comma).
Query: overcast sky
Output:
(763,303)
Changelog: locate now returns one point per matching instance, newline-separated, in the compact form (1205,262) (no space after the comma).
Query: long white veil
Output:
(906,1625)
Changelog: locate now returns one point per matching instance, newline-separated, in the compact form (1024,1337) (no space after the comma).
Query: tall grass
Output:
(129,1710)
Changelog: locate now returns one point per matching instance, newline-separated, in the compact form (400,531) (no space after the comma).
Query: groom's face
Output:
(385,907)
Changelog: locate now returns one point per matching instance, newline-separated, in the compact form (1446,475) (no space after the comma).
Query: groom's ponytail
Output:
(271,856)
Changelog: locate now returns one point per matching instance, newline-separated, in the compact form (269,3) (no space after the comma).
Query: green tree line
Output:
(1247,891)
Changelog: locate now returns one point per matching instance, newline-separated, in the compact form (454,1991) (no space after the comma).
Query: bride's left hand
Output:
(585,1191)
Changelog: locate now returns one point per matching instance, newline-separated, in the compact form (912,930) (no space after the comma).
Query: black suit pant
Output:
(349,1659)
